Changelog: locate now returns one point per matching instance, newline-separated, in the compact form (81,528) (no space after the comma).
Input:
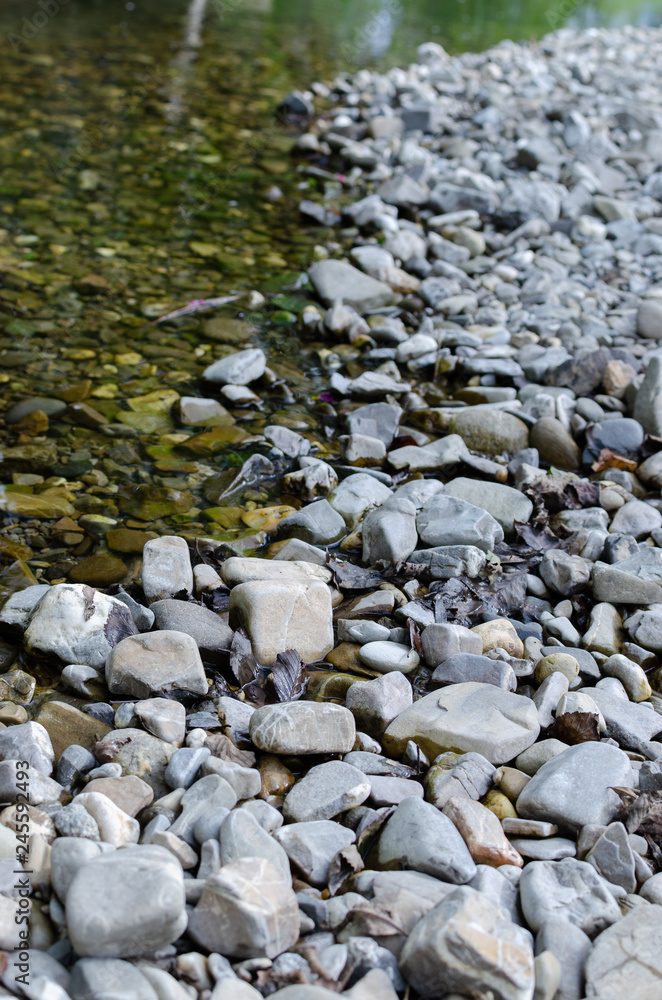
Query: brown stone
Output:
(99,570)
(126,540)
(66,724)
(276,778)
(555,444)
(129,792)
(86,416)
(500,634)
(346,657)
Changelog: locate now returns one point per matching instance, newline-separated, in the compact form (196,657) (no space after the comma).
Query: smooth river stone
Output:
(284,614)
(386,656)
(303,727)
(559,791)
(153,662)
(467,717)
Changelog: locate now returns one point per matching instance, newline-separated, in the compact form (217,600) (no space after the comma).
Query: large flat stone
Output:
(467,717)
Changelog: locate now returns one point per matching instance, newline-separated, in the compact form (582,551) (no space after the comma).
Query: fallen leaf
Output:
(347,862)
(242,662)
(351,577)
(290,677)
(575,727)
(608,459)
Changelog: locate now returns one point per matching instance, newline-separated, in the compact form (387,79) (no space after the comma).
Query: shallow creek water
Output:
(138,171)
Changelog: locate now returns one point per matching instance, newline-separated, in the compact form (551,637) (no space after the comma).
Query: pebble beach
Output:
(397,735)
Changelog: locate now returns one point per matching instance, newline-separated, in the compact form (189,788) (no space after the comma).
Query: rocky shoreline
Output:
(412,746)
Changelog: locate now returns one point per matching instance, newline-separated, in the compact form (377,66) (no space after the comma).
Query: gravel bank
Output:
(418,745)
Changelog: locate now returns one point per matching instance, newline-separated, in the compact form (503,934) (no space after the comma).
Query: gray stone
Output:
(146,664)
(312,846)
(243,837)
(468,943)
(284,614)
(358,494)
(648,400)
(455,775)
(204,796)
(636,518)
(212,636)
(442,640)
(547,849)
(325,791)
(447,561)
(419,837)
(629,724)
(247,910)
(318,524)
(565,574)
(374,704)
(531,760)
(143,910)
(567,888)
(557,791)
(68,854)
(17,609)
(389,532)
(505,504)
(239,368)
(246,781)
(637,580)
(303,727)
(613,858)
(463,667)
(193,411)
(184,765)
(571,946)
(467,717)
(109,979)
(75,821)
(626,959)
(378,420)
(289,442)
(77,624)
(447,520)
(387,656)
(649,319)
(30,742)
(166,569)
(334,279)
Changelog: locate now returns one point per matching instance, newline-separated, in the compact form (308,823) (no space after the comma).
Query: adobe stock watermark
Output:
(22,886)
(559,15)
(364,39)
(32,25)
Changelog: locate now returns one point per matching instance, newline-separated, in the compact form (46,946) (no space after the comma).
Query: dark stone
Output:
(463,667)
(528,630)
(624,436)
(102,711)
(618,547)
(212,635)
